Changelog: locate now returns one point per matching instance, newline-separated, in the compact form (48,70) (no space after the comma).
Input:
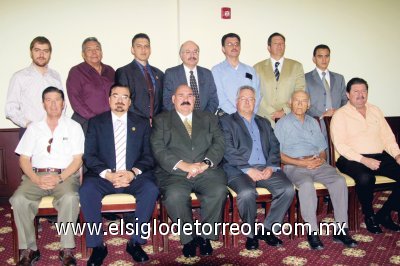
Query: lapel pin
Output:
(156,77)
(133,129)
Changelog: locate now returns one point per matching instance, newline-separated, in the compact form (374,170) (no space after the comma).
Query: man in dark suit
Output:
(196,77)
(188,146)
(118,158)
(144,81)
(252,160)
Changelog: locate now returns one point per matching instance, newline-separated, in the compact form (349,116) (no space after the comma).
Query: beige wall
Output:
(363,34)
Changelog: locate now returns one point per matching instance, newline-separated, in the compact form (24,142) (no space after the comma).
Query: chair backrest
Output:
(333,154)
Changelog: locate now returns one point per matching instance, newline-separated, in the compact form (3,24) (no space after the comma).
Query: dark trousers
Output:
(94,189)
(365,181)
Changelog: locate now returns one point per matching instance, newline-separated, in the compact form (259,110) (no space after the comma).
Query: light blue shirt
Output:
(228,80)
(257,157)
(299,139)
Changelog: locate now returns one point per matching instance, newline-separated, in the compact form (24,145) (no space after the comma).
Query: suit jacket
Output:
(176,76)
(316,89)
(171,143)
(238,144)
(100,149)
(276,94)
(132,76)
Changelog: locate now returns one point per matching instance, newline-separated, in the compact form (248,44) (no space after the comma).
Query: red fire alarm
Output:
(226,13)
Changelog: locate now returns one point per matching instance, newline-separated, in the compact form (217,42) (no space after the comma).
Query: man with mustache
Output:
(367,148)
(231,74)
(188,146)
(24,101)
(119,160)
(198,78)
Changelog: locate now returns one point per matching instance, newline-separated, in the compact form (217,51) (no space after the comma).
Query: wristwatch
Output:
(134,174)
(207,162)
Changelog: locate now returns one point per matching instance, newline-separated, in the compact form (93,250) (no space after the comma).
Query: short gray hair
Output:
(245,87)
(90,39)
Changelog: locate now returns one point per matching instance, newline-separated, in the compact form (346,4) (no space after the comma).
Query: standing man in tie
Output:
(188,146)
(144,81)
(231,74)
(279,77)
(198,78)
(327,89)
(119,160)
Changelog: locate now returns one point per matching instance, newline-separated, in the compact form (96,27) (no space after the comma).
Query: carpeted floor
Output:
(381,249)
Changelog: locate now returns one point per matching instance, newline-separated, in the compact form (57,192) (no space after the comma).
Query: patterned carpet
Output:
(381,249)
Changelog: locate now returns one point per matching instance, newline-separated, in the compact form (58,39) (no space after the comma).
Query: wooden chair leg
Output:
(15,238)
(84,251)
(154,231)
(164,219)
(226,219)
(235,219)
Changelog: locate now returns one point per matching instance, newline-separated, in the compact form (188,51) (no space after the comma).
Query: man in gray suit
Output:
(196,77)
(188,146)
(252,160)
(327,89)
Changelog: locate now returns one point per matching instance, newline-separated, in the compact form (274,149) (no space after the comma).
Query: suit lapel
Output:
(201,82)
(317,79)
(240,122)
(269,72)
(196,125)
(109,139)
(263,137)
(332,81)
(130,135)
(182,79)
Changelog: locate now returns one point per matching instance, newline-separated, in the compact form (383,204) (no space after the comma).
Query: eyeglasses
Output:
(49,146)
(188,52)
(120,97)
(231,44)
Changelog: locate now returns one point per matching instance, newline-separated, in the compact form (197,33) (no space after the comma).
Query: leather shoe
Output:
(28,257)
(189,249)
(205,246)
(387,222)
(314,241)
(251,243)
(98,255)
(345,239)
(136,251)
(67,257)
(372,225)
(269,238)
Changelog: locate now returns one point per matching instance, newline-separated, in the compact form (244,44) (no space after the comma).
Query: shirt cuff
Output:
(212,164)
(103,173)
(140,171)
(175,166)
(245,170)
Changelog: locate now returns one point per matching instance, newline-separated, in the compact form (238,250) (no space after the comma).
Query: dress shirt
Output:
(228,80)
(148,70)
(68,140)
(88,91)
(353,135)
(187,74)
(24,97)
(327,76)
(257,157)
(273,61)
(298,139)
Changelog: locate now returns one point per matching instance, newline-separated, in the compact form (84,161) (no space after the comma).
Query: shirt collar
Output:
(182,117)
(273,61)
(320,72)
(187,70)
(123,118)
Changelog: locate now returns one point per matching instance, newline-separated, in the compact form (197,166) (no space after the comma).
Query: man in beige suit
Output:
(279,78)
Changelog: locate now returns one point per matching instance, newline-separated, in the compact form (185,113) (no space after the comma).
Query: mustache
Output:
(120,104)
(185,103)
(193,58)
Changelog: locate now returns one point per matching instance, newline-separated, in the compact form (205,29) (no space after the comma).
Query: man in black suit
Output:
(118,158)
(144,81)
(252,160)
(188,146)
(196,77)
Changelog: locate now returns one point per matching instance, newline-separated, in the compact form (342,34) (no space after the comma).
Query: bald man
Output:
(189,73)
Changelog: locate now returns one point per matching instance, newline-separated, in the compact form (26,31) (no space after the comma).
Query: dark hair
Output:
(229,35)
(355,81)
(321,46)
(90,39)
(52,89)
(275,34)
(140,36)
(117,85)
(41,40)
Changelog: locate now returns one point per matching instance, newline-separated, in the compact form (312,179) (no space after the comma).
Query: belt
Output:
(307,157)
(47,170)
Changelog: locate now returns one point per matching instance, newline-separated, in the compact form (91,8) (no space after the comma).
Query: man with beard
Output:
(119,160)
(198,78)
(24,102)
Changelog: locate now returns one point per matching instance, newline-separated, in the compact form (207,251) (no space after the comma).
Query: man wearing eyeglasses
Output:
(231,74)
(50,157)
(252,160)
(198,78)
(119,160)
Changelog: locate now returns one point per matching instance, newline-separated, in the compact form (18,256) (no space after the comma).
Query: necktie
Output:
(328,98)
(120,145)
(150,89)
(193,85)
(276,71)
(188,126)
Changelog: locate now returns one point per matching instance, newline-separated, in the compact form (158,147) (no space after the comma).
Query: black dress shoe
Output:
(314,241)
(28,257)
(189,249)
(251,243)
(205,246)
(372,225)
(136,251)
(387,222)
(110,216)
(345,239)
(98,255)
(269,238)
(67,257)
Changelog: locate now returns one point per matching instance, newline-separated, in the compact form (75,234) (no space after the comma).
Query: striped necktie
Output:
(328,98)
(276,71)
(120,145)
